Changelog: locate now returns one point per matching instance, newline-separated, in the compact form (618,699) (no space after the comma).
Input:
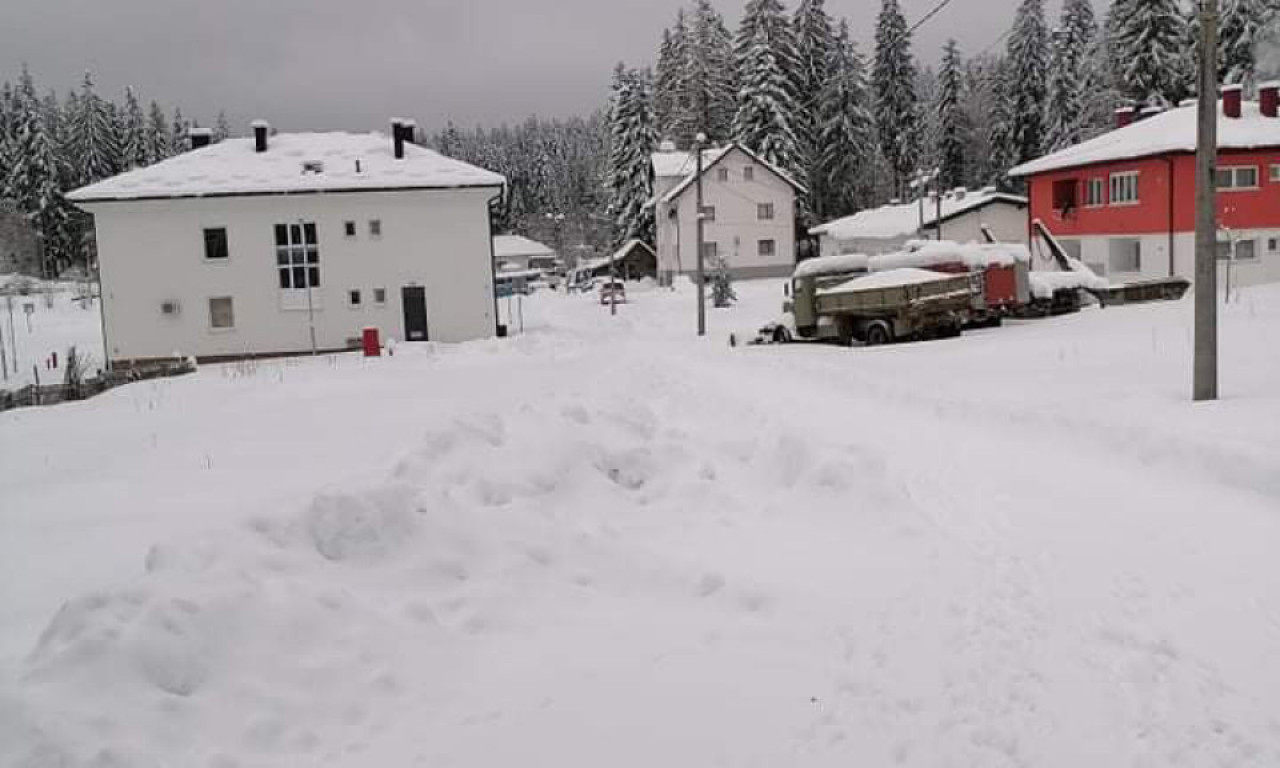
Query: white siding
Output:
(737,230)
(153,252)
(1096,251)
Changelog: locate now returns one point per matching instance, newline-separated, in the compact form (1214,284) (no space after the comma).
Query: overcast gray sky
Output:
(350,64)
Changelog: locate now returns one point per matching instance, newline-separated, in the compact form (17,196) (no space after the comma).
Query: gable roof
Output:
(509,246)
(903,220)
(676,164)
(1173,131)
(233,168)
(722,153)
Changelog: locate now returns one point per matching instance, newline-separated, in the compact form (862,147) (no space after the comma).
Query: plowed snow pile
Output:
(605,543)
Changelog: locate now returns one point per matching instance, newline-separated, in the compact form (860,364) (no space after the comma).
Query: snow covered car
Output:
(612,291)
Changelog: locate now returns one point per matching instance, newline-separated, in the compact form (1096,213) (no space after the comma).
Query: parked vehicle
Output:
(613,291)
(879,308)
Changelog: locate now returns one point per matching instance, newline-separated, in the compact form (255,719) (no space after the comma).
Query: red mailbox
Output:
(372,344)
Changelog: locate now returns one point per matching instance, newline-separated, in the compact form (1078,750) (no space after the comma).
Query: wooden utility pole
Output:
(700,276)
(1206,306)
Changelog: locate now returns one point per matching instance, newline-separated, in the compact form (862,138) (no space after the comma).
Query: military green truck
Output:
(877,308)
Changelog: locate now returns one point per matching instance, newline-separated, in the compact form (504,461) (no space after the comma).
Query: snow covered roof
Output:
(510,246)
(681,164)
(1171,131)
(294,163)
(721,153)
(590,265)
(903,220)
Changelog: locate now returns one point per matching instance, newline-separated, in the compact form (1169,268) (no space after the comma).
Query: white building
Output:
(749,212)
(964,214)
(282,244)
(521,253)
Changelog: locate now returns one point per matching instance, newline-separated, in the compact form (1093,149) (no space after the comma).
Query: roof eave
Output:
(279,193)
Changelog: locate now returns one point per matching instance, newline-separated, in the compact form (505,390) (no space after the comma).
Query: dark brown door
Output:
(414,299)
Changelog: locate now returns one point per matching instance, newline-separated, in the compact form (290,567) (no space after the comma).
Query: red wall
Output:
(1253,209)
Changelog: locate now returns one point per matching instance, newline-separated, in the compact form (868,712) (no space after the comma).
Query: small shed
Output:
(522,253)
(635,260)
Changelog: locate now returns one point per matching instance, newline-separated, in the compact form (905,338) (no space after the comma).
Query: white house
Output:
(964,214)
(521,253)
(285,244)
(749,212)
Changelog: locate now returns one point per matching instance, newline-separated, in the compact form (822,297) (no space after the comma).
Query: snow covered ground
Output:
(51,330)
(608,543)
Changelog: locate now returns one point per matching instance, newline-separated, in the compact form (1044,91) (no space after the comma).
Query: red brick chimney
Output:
(1124,116)
(1232,97)
(1269,98)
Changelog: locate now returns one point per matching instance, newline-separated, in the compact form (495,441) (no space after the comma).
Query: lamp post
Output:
(698,144)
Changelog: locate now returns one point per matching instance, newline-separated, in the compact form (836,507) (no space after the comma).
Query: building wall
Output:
(736,229)
(1096,251)
(1164,216)
(153,252)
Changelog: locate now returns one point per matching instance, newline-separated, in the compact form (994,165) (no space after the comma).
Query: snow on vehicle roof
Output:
(933,253)
(1171,131)
(893,278)
(508,246)
(903,219)
(294,163)
(832,265)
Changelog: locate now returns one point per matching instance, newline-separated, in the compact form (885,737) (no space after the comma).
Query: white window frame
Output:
(226,242)
(1111,256)
(355,298)
(231,304)
(749,173)
(722,175)
(765,211)
(1233,172)
(1273,245)
(710,250)
(760,248)
(380,302)
(1119,187)
(1095,184)
(375,228)
(1232,248)
(350,230)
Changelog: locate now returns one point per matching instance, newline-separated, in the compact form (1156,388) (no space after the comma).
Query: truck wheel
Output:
(877,333)
(781,335)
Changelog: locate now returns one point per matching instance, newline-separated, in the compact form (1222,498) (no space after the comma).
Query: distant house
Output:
(281,244)
(749,210)
(1124,202)
(19,243)
(635,260)
(964,214)
(515,252)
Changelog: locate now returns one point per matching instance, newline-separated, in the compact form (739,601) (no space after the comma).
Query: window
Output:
(708,213)
(221,313)
(749,173)
(722,174)
(1064,195)
(375,227)
(350,228)
(1241,177)
(354,298)
(766,247)
(1126,255)
(1243,250)
(1273,244)
(380,296)
(298,256)
(1275,173)
(215,244)
(710,251)
(764,211)
(1124,188)
(1094,193)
